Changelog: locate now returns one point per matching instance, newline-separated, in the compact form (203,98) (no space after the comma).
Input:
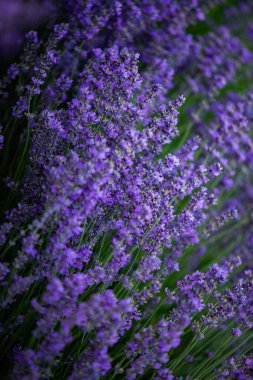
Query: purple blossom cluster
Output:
(238,368)
(118,182)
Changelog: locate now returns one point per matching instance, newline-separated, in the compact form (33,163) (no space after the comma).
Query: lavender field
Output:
(126,234)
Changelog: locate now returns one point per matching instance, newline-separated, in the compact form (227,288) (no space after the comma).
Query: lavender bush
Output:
(126,210)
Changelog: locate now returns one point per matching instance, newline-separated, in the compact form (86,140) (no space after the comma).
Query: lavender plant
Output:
(126,214)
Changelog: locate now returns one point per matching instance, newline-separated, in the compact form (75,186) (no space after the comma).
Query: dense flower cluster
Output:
(126,226)
(238,368)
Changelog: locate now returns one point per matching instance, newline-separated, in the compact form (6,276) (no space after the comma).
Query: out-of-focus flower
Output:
(17,17)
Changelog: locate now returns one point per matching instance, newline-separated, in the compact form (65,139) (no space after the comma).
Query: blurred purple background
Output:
(16,18)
